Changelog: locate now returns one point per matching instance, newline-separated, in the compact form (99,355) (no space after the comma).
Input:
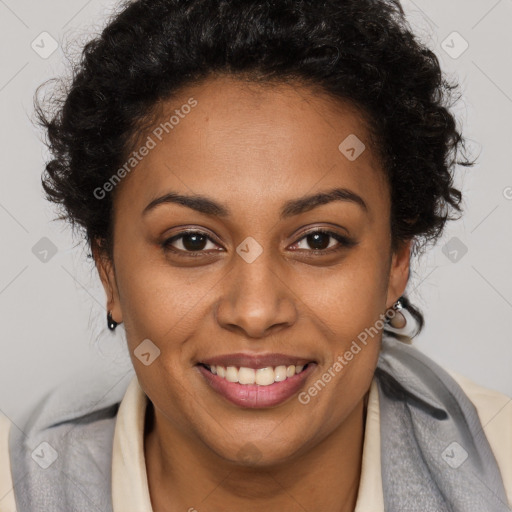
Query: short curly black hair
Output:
(361,51)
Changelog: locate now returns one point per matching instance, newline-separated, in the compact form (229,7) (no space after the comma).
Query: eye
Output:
(189,242)
(196,243)
(322,241)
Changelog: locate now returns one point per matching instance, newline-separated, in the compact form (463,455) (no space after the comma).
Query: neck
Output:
(185,475)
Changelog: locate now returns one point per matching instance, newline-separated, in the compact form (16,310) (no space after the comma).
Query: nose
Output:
(256,300)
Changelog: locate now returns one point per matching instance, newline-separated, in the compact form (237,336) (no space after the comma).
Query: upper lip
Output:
(256,360)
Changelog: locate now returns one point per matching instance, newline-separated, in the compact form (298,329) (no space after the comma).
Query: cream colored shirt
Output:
(130,492)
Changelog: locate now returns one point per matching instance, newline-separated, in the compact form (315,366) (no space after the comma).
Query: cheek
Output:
(160,301)
(348,312)
(348,307)
(159,305)
(349,297)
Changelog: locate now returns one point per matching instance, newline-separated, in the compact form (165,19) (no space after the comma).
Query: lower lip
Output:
(254,396)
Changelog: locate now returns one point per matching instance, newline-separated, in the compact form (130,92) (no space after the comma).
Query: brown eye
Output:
(189,241)
(194,242)
(320,241)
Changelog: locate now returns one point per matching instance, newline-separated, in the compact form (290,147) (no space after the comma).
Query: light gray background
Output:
(52,313)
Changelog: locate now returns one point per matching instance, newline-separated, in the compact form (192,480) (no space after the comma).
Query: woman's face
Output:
(257,174)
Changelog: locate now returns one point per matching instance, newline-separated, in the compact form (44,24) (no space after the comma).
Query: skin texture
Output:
(253,148)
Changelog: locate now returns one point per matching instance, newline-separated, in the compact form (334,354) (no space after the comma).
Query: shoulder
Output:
(495,413)
(70,429)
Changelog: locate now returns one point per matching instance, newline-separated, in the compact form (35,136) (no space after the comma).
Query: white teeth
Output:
(280,373)
(264,376)
(290,371)
(260,376)
(246,376)
(231,374)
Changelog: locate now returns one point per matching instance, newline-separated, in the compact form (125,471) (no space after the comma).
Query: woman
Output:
(252,179)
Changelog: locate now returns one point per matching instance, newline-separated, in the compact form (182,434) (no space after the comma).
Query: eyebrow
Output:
(291,208)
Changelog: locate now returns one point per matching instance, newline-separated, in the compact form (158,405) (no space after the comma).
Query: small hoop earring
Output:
(398,320)
(112,324)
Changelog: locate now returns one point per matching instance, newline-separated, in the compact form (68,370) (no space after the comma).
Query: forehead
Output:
(263,141)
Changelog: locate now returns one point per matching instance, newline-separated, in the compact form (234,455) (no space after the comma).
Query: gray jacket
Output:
(434,453)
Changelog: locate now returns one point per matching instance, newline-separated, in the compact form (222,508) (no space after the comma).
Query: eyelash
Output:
(344,243)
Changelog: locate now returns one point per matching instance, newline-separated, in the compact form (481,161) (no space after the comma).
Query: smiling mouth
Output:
(258,376)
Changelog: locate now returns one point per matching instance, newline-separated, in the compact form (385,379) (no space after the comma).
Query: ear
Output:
(105,267)
(399,272)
